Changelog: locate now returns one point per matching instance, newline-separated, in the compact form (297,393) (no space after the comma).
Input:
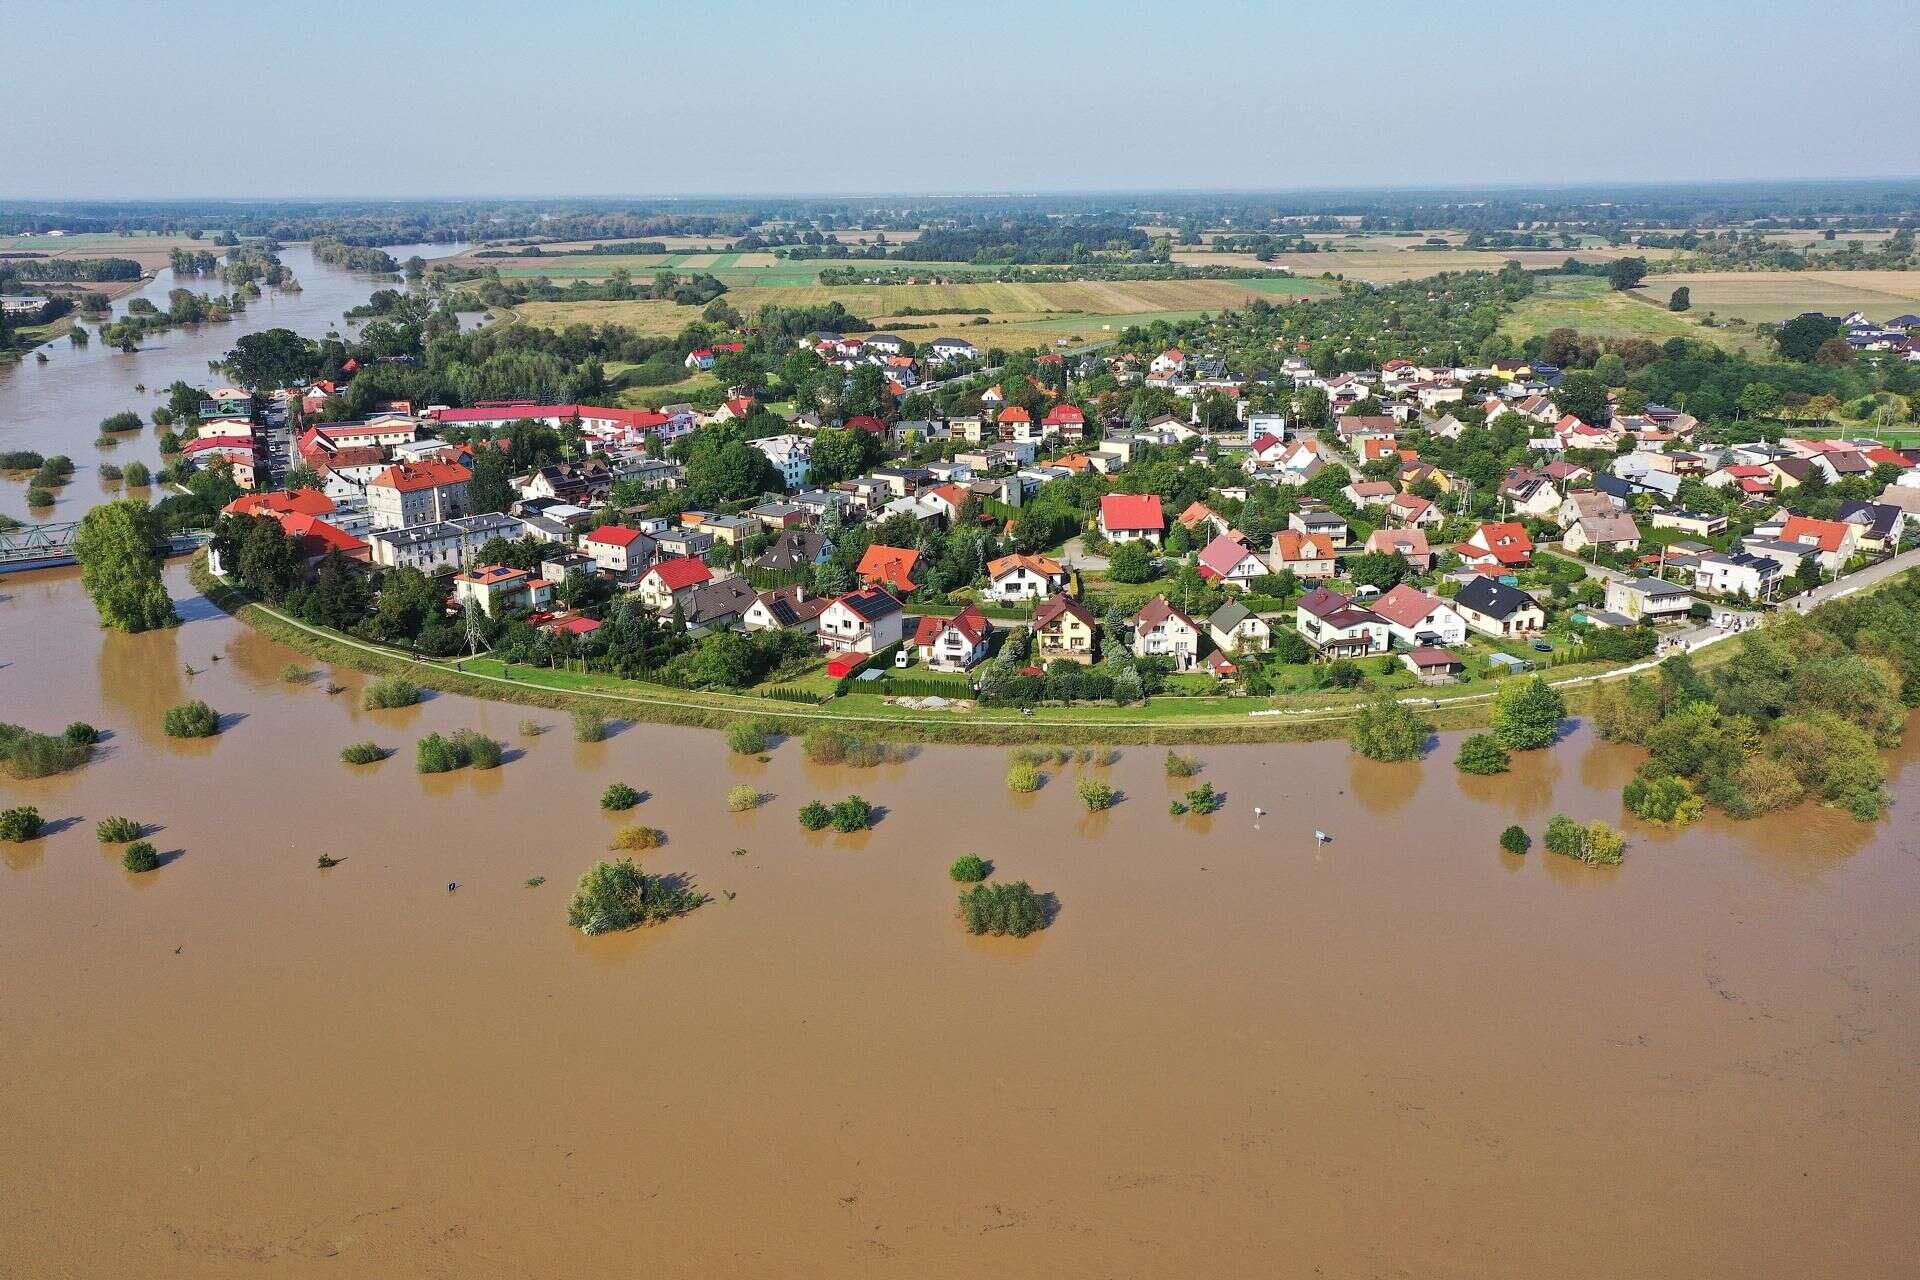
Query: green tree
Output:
(120,547)
(1800,338)
(1527,715)
(1681,299)
(1583,395)
(1387,729)
(1627,273)
(491,488)
(1131,562)
(1482,753)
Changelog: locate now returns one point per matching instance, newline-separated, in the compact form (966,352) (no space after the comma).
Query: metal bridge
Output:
(48,546)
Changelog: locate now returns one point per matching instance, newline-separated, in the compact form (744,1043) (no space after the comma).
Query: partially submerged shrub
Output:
(389,692)
(1203,799)
(191,720)
(747,737)
(619,895)
(589,726)
(618,797)
(1515,840)
(368,752)
(1022,777)
(20,823)
(27,754)
(294,673)
(1482,753)
(81,734)
(631,839)
(852,814)
(1097,795)
(824,744)
(532,728)
(740,799)
(140,856)
(969,869)
(457,750)
(1595,842)
(116,830)
(1003,909)
(1179,766)
(814,816)
(482,752)
(1664,798)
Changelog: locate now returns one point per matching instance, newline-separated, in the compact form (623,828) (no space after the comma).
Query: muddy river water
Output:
(1233,1054)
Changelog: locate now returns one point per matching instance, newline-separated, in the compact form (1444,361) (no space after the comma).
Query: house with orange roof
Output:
(1833,541)
(413,493)
(498,589)
(1011,579)
(1409,544)
(1309,555)
(1198,515)
(1499,545)
(290,502)
(890,567)
(1413,511)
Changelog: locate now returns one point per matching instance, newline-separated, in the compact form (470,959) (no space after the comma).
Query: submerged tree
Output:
(120,548)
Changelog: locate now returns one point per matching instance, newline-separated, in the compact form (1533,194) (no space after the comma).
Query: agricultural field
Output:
(1018,315)
(1772,296)
(1383,261)
(1590,305)
(151,251)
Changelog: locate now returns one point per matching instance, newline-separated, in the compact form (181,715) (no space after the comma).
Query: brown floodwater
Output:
(1233,1054)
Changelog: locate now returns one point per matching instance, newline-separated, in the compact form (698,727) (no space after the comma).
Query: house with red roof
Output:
(297,501)
(1132,517)
(1499,545)
(1162,631)
(618,550)
(671,582)
(1413,511)
(958,643)
(412,493)
(1066,421)
(1231,562)
(1172,360)
(868,423)
(1833,541)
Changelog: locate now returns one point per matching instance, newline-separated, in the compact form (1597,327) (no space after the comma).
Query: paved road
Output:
(1853,582)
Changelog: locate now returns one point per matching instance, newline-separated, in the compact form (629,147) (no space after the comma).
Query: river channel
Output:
(1234,1053)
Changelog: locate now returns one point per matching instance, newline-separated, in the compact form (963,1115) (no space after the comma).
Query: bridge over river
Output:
(48,546)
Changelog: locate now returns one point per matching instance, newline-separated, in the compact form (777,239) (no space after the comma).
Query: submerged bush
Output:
(852,814)
(137,475)
(437,754)
(969,869)
(1387,729)
(815,816)
(1663,798)
(1595,842)
(589,726)
(191,720)
(81,734)
(1515,840)
(27,754)
(116,830)
(619,895)
(824,744)
(740,799)
(1097,795)
(638,838)
(1203,799)
(20,823)
(140,856)
(618,797)
(747,737)
(1003,909)
(368,752)
(389,692)
(1179,766)
(1022,777)
(1482,753)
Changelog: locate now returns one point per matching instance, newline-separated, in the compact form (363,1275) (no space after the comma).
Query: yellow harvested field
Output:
(1772,296)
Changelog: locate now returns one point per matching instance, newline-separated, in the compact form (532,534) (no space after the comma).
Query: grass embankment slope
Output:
(1165,720)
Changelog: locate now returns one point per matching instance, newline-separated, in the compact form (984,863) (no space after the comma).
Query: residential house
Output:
(1614,531)
(447,544)
(1323,524)
(1063,628)
(1528,493)
(790,608)
(1131,517)
(795,551)
(1880,524)
(418,493)
(1415,617)
(669,583)
(618,550)
(863,621)
(1338,628)
(1580,504)
(1652,599)
(1172,360)
(1014,578)
(1740,573)
(1411,511)
(1309,555)
(890,567)
(791,456)
(1370,493)
(1162,631)
(1493,608)
(1234,628)
(717,603)
(1833,541)
(959,643)
(1498,544)
(1229,560)
(682,542)
(1199,515)
(1700,523)
(498,589)
(1409,544)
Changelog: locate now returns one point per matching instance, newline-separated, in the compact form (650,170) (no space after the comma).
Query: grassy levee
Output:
(1161,721)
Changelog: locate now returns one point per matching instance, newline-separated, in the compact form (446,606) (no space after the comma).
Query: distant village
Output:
(1313,545)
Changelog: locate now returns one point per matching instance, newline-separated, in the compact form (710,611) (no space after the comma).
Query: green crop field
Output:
(1590,305)
(1773,296)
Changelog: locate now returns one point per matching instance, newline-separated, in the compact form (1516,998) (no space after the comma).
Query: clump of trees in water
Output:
(1003,909)
(847,816)
(1202,800)
(1387,729)
(1591,842)
(970,868)
(824,744)
(747,737)
(116,830)
(140,856)
(368,752)
(389,692)
(20,823)
(27,754)
(191,720)
(614,895)
(1482,753)
(1800,712)
(618,797)
(121,547)
(438,753)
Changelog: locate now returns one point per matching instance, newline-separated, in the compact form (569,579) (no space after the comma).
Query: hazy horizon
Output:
(589,99)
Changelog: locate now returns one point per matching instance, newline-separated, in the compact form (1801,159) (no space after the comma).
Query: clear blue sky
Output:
(560,97)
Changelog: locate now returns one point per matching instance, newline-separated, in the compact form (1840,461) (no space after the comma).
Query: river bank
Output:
(1404,1051)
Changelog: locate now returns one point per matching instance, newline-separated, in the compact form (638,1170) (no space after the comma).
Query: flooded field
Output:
(1233,1054)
